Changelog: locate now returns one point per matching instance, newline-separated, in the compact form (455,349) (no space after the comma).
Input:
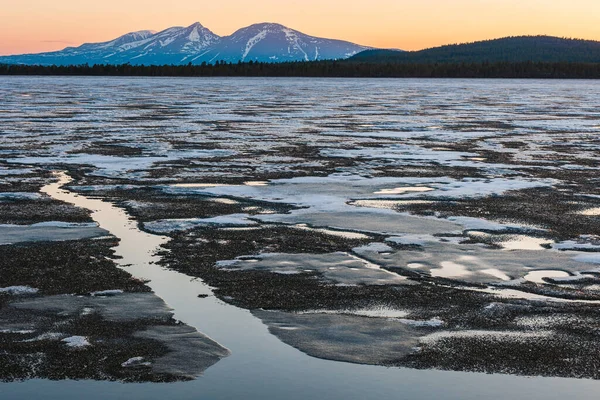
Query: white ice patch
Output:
(19,290)
(432,323)
(374,312)
(256,183)
(524,242)
(17,332)
(308,191)
(225,201)
(60,224)
(342,268)
(593,258)
(517,294)
(388,204)
(113,166)
(584,242)
(450,269)
(76,341)
(48,231)
(496,273)
(373,247)
(471,223)
(135,362)
(591,212)
(46,336)
(19,196)
(226,263)
(107,293)
(331,232)
(551,321)
(19,171)
(414,239)
(404,189)
(173,225)
(538,276)
(100,188)
(498,335)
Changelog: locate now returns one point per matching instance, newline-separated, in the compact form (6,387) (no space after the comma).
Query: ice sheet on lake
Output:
(341,268)
(18,290)
(114,166)
(76,341)
(382,223)
(347,338)
(49,231)
(475,263)
(190,352)
(327,201)
(584,242)
(19,196)
(119,308)
(471,223)
(494,335)
(173,225)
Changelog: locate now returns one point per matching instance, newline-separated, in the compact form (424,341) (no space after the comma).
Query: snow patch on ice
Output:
(591,212)
(173,225)
(402,190)
(374,312)
(76,341)
(19,290)
(331,232)
(412,239)
(373,247)
(17,332)
(19,196)
(432,323)
(135,362)
(471,223)
(107,293)
(501,335)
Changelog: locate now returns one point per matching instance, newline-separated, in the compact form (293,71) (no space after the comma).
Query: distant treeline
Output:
(348,69)
(518,49)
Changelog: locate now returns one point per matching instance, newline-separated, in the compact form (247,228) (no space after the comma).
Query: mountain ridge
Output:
(196,44)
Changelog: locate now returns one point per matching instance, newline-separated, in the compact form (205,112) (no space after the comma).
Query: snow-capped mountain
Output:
(277,43)
(196,44)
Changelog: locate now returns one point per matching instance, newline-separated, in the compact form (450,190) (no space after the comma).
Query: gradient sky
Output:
(44,25)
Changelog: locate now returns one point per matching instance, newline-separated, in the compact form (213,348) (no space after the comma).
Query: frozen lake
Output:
(349,238)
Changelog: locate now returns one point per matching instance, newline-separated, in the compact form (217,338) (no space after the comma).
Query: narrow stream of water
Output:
(261,366)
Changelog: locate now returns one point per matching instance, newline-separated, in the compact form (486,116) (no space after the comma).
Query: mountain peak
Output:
(197,33)
(195,25)
(268,25)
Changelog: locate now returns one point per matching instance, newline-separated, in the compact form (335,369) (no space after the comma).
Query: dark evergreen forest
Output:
(349,69)
(511,49)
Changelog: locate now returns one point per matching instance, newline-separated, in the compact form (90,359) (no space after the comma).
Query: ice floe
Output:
(173,225)
(497,335)
(49,231)
(135,362)
(341,268)
(76,342)
(19,196)
(18,290)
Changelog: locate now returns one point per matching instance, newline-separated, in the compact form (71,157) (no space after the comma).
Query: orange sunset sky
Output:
(45,25)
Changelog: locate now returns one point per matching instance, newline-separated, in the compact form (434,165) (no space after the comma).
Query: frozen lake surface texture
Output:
(296,238)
